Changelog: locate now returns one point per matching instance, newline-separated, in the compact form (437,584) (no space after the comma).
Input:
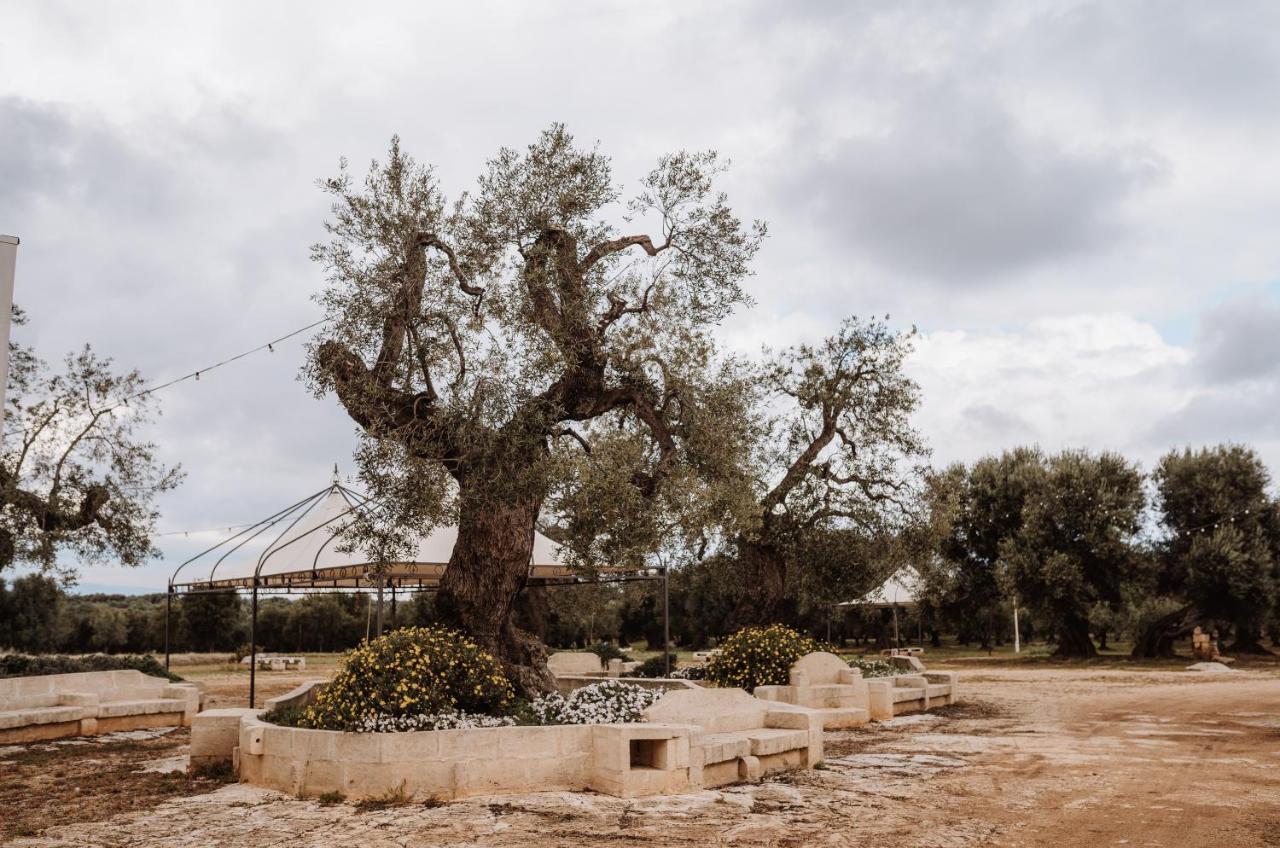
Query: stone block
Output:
(563,773)
(418,746)
(479,743)
(216,733)
(574,662)
(768,741)
(358,747)
(880,699)
(485,776)
(251,738)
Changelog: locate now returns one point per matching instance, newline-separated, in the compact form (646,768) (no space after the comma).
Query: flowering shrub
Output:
(413,672)
(607,702)
(874,668)
(439,721)
(758,656)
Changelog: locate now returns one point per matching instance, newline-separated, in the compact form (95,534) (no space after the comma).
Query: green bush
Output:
(652,667)
(758,656)
(27,665)
(412,671)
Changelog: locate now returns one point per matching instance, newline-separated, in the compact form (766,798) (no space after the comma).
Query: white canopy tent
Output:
(900,590)
(302,554)
(306,553)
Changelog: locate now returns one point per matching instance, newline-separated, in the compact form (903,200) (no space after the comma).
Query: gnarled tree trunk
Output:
(488,568)
(1073,639)
(1157,639)
(1248,640)
(764,584)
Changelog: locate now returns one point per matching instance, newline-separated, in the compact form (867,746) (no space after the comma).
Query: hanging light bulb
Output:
(197,376)
(270,349)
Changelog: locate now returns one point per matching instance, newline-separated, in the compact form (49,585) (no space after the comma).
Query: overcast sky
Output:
(1076,203)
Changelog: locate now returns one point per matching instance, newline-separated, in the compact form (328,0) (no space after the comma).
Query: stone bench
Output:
(907,693)
(52,706)
(823,682)
(267,662)
(740,737)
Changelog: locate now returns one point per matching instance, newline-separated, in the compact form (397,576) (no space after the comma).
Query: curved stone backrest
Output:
(820,668)
(44,690)
(574,662)
(714,710)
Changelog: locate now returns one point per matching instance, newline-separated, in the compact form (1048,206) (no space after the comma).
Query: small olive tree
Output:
(471,340)
(75,476)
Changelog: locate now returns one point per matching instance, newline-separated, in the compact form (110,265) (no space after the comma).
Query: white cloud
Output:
(1038,186)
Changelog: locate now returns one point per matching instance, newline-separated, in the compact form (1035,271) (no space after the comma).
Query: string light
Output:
(195,375)
(187,533)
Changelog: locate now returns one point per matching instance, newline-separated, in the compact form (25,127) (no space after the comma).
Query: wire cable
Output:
(196,374)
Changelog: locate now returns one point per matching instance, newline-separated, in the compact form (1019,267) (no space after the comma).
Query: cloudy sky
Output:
(1075,202)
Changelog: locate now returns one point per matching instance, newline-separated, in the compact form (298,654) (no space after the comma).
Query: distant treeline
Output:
(37,616)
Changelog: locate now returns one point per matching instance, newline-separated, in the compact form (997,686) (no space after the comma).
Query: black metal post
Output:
(393,605)
(666,619)
(378,629)
(168,605)
(253,645)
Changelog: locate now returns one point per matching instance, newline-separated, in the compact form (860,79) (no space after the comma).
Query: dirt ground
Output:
(1034,756)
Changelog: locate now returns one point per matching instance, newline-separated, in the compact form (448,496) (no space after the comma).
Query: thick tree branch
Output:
(608,248)
(574,434)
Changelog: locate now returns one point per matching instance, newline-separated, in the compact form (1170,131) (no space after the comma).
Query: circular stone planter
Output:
(617,759)
(696,738)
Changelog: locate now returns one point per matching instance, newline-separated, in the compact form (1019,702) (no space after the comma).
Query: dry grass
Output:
(44,785)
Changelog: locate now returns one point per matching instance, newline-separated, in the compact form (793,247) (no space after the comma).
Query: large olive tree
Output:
(474,340)
(834,461)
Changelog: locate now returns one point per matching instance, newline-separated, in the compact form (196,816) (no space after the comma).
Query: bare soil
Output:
(1034,756)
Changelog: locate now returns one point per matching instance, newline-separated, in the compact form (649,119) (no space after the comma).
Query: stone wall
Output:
(445,764)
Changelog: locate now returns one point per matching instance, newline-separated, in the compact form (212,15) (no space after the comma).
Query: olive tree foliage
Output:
(975,512)
(833,456)
(475,341)
(1077,545)
(76,476)
(1219,557)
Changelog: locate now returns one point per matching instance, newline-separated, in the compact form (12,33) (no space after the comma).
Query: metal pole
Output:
(666,619)
(1017,636)
(381,581)
(168,605)
(393,605)
(253,645)
(897,638)
(8,261)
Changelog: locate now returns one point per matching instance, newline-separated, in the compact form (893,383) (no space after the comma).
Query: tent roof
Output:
(303,552)
(898,591)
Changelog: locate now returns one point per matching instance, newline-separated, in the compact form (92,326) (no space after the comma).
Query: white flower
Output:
(607,702)
(438,721)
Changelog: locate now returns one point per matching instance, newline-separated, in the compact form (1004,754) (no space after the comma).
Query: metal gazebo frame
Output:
(354,577)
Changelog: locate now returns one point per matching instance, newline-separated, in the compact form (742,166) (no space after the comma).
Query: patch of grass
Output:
(220,772)
(88,782)
(392,798)
(328,799)
(287,716)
